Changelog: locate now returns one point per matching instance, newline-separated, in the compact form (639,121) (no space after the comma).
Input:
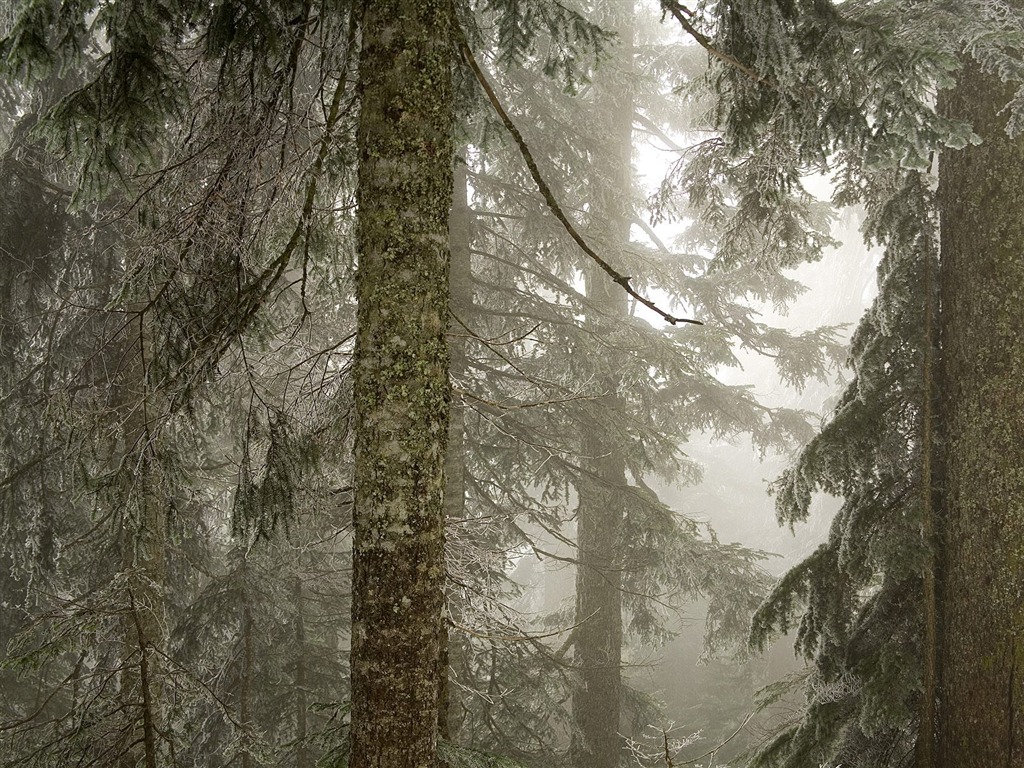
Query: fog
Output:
(509,385)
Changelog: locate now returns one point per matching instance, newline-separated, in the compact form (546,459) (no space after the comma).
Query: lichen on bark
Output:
(401,387)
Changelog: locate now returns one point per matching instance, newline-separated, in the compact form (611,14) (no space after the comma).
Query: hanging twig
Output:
(549,197)
(712,752)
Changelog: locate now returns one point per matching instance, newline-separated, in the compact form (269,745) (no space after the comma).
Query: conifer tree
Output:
(539,382)
(865,599)
(186,183)
(597,644)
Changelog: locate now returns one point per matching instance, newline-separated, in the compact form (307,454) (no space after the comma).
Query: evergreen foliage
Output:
(198,284)
(206,220)
(533,383)
(790,76)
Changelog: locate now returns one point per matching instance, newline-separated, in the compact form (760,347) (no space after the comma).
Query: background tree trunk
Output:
(401,386)
(245,713)
(461,292)
(597,699)
(303,758)
(981,199)
(143,553)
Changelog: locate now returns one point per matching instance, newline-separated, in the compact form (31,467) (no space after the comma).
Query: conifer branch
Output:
(617,277)
(521,638)
(677,10)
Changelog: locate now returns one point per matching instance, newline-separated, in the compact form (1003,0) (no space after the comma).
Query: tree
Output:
(401,386)
(545,388)
(167,283)
(602,483)
(866,597)
(981,651)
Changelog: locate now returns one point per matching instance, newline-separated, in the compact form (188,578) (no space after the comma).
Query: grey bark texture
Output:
(981,655)
(401,388)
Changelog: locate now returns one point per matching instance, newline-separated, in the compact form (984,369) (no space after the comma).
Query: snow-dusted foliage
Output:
(850,89)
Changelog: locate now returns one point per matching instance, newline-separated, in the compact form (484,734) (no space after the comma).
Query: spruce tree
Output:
(866,598)
(540,383)
(600,513)
(201,204)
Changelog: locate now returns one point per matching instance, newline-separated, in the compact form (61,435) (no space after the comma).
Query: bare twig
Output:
(718,746)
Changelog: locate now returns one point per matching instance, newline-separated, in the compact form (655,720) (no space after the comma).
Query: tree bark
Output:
(245,716)
(597,700)
(401,387)
(925,747)
(981,197)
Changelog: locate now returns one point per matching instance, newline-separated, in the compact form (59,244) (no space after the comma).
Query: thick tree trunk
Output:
(981,199)
(401,386)
(597,700)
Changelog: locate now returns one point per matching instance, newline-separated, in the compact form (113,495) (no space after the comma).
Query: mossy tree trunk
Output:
(981,662)
(597,698)
(401,387)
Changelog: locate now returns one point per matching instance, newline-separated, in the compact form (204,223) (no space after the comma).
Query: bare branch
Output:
(617,277)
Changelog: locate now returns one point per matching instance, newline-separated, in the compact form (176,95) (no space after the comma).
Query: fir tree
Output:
(865,598)
(526,345)
(196,256)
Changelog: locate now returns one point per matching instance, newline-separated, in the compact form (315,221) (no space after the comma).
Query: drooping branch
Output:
(679,12)
(622,280)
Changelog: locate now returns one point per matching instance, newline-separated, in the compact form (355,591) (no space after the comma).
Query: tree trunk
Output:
(303,758)
(461,292)
(401,387)
(143,555)
(245,717)
(925,747)
(597,699)
(981,197)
